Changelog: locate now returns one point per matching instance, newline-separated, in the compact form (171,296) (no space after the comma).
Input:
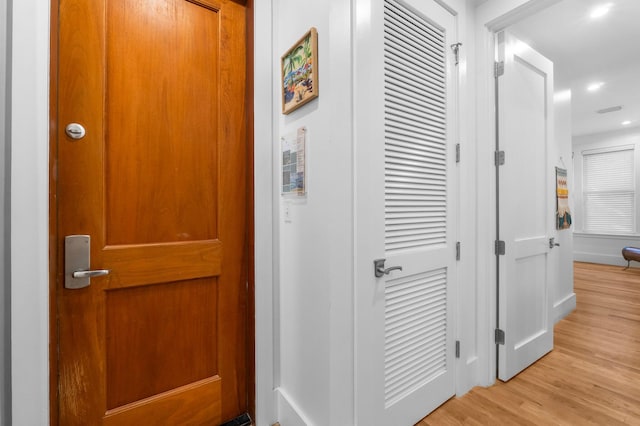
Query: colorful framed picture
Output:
(563,214)
(299,71)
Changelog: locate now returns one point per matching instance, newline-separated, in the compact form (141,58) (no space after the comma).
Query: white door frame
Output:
(29,216)
(266,241)
(491,17)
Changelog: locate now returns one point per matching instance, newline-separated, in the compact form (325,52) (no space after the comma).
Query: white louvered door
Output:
(406,194)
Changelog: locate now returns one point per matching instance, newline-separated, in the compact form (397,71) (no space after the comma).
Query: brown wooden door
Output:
(159,183)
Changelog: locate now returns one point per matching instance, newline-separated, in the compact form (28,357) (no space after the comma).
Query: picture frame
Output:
(563,212)
(299,72)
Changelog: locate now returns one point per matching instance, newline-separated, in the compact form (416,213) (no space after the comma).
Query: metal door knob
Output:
(379,270)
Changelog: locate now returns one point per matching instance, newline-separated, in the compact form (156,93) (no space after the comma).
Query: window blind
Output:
(609,192)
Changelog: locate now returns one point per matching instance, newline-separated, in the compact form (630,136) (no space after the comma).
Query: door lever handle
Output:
(552,243)
(77,253)
(379,270)
(90,274)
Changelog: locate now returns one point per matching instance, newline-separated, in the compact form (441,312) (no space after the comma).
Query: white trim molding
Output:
(30,212)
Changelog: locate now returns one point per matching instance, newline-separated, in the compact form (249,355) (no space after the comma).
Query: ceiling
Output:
(586,50)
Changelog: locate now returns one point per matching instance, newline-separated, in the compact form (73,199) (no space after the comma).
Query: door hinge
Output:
(499,158)
(499,337)
(498,69)
(457,153)
(458,250)
(457,348)
(501,248)
(456,51)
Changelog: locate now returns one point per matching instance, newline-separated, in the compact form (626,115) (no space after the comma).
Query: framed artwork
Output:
(299,71)
(563,214)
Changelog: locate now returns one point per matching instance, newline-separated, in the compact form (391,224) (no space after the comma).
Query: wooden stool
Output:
(631,253)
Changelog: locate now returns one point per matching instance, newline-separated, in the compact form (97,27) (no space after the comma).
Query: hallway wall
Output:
(315,232)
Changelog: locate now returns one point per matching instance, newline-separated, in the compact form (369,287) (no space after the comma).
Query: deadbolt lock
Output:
(75,131)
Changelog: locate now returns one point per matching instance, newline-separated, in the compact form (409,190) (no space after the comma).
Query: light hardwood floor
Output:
(592,377)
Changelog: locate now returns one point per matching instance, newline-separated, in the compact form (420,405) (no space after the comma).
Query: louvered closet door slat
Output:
(421,318)
(416,31)
(405,111)
(393,147)
(396,54)
(407,139)
(434,113)
(408,81)
(398,50)
(396,90)
(396,119)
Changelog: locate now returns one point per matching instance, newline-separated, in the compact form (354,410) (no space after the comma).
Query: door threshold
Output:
(242,420)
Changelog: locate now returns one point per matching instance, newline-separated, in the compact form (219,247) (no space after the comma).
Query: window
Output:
(609,191)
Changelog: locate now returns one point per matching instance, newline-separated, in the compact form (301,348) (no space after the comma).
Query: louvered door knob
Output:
(379,270)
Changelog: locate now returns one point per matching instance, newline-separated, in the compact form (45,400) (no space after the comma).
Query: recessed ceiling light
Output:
(626,122)
(594,86)
(600,11)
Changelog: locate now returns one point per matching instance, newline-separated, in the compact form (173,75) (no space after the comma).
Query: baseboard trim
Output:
(466,376)
(564,307)
(599,258)
(288,412)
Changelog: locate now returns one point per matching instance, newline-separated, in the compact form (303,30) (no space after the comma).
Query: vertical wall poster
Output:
(293,163)
(563,214)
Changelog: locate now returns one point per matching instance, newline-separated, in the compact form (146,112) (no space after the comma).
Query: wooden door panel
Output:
(195,404)
(159,183)
(159,338)
(162,109)
(133,265)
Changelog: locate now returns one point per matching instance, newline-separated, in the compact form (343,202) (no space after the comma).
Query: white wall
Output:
(564,299)
(315,244)
(604,249)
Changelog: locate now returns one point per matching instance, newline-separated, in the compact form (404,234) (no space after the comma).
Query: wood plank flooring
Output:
(592,377)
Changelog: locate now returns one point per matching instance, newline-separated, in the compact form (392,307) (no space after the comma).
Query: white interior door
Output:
(525,123)
(405,213)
